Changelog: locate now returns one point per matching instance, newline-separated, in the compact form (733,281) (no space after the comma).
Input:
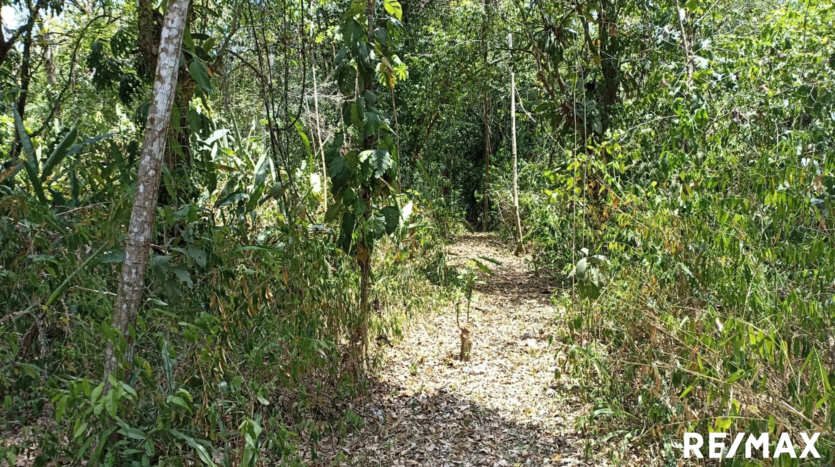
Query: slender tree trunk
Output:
(49,67)
(519,248)
(132,279)
(363,255)
(26,66)
(688,58)
(318,128)
(486,220)
(147,38)
(25,76)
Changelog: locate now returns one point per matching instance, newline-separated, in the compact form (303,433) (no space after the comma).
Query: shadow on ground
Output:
(504,407)
(443,429)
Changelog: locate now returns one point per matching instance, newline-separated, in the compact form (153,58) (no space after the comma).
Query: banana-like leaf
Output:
(59,153)
(28,149)
(32,172)
(31,162)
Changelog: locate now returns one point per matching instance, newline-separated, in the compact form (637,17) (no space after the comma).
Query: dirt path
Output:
(502,408)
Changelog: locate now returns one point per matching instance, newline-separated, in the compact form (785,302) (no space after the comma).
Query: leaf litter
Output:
(503,408)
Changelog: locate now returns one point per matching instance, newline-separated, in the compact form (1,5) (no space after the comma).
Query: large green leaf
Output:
(59,153)
(28,149)
(31,162)
(376,224)
(393,8)
(352,34)
(373,121)
(339,173)
(32,172)
(333,211)
(333,150)
(346,79)
(198,71)
(378,159)
(392,216)
(346,231)
(196,254)
(183,275)
(357,7)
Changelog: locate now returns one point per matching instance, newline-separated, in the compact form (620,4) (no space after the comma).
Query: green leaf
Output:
(66,283)
(352,34)
(59,153)
(80,430)
(201,450)
(160,263)
(195,122)
(60,407)
(339,173)
(28,149)
(183,275)
(102,442)
(111,402)
(356,115)
(357,7)
(492,260)
(333,211)
(188,41)
(232,198)
(130,432)
(393,8)
(346,79)
(346,231)
(196,254)
(691,4)
(392,216)
(278,249)
(113,257)
(333,150)
(197,70)
(483,267)
(379,159)
(376,225)
(177,400)
(32,173)
(124,172)
(373,121)
(94,396)
(304,138)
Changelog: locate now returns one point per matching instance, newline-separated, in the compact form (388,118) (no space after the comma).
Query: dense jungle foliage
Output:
(676,185)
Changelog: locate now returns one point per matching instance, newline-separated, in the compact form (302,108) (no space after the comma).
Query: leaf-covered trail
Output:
(504,407)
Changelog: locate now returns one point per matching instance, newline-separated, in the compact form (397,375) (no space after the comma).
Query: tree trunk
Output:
(486,221)
(26,66)
(137,249)
(519,248)
(687,57)
(363,255)
(318,129)
(609,59)
(25,76)
(51,80)
(147,39)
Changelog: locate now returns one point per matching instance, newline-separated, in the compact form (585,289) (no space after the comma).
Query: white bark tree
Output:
(519,247)
(141,229)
